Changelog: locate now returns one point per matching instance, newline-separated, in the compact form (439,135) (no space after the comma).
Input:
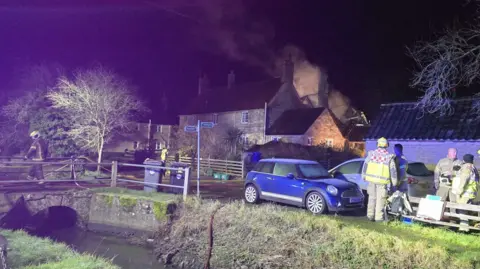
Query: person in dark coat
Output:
(38,153)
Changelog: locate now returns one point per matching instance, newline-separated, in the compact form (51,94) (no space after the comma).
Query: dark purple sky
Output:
(361,43)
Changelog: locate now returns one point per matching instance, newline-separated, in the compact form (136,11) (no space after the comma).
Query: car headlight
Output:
(332,190)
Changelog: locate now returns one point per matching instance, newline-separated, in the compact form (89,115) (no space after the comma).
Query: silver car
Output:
(420,179)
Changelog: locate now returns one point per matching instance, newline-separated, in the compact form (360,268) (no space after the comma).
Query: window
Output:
(283,169)
(135,145)
(215,118)
(245,117)
(158,145)
(329,143)
(313,170)
(350,168)
(266,167)
(159,128)
(310,141)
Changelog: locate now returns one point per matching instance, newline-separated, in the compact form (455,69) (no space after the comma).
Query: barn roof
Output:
(403,121)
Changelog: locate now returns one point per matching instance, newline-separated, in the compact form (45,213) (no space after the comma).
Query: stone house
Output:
(268,110)
(140,136)
(427,137)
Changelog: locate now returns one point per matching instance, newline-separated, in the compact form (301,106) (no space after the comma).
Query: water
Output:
(117,249)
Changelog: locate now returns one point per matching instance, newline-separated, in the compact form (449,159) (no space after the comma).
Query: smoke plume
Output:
(225,26)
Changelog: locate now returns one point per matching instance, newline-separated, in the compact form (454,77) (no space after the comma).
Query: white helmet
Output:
(35,134)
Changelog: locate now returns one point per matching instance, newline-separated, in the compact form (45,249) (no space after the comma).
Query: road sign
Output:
(207,124)
(190,129)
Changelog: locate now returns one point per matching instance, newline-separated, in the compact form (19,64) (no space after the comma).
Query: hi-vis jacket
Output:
(445,167)
(466,183)
(380,168)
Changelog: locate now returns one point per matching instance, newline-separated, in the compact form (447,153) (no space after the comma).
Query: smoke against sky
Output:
(227,27)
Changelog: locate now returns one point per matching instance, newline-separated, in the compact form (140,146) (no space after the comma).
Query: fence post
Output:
(243,168)
(185,182)
(72,168)
(113,184)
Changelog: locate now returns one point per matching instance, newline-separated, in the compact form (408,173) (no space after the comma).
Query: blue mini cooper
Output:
(301,183)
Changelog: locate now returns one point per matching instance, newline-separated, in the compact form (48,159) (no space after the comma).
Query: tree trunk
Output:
(99,159)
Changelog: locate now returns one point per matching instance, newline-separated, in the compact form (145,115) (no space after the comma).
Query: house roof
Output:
(356,133)
(403,121)
(295,121)
(240,97)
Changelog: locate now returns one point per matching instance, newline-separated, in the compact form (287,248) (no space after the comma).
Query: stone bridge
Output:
(102,210)
(38,201)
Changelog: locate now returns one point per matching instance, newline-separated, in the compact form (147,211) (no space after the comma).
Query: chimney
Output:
(288,69)
(202,84)
(231,79)
(323,89)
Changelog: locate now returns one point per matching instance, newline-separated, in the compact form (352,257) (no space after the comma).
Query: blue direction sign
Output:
(190,129)
(207,124)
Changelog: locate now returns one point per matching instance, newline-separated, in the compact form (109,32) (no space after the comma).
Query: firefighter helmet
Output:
(35,134)
(382,142)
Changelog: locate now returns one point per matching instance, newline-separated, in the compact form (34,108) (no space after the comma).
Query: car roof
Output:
(295,161)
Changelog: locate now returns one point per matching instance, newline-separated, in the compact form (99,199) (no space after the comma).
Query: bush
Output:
(270,236)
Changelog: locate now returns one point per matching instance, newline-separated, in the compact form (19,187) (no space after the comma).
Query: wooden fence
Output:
(473,214)
(233,168)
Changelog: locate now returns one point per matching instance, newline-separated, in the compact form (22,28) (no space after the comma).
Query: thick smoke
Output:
(225,26)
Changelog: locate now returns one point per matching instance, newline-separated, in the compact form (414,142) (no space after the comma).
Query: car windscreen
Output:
(313,170)
(418,169)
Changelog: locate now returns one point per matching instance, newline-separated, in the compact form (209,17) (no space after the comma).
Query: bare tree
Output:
(451,61)
(98,103)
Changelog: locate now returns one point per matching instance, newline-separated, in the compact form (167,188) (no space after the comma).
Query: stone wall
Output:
(325,128)
(110,212)
(430,152)
(117,213)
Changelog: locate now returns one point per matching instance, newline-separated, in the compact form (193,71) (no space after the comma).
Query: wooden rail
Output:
(473,214)
(234,168)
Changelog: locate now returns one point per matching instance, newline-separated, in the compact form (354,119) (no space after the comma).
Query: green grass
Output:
(29,252)
(127,193)
(278,237)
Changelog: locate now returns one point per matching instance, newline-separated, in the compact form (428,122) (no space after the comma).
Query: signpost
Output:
(193,129)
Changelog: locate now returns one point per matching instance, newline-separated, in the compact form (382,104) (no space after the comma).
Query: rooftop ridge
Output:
(463,99)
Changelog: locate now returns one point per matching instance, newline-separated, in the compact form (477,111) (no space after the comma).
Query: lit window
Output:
(158,146)
(310,141)
(215,118)
(245,117)
(329,143)
(135,145)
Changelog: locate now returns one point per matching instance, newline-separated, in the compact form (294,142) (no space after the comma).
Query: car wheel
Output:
(251,194)
(315,203)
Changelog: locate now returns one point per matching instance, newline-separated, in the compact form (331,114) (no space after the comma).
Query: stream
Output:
(59,225)
(110,247)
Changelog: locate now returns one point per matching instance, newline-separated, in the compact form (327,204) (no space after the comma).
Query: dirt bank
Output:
(269,236)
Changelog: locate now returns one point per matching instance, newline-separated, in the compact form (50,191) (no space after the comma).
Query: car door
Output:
(351,171)
(263,176)
(287,189)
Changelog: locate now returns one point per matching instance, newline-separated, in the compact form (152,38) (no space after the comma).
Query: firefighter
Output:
(444,173)
(466,184)
(381,173)
(38,152)
(402,166)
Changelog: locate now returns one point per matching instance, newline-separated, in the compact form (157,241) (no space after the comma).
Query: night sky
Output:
(360,43)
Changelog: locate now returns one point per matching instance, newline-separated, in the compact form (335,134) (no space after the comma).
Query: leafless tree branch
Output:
(451,61)
(98,103)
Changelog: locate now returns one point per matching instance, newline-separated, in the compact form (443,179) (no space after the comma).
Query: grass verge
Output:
(270,236)
(128,193)
(28,252)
